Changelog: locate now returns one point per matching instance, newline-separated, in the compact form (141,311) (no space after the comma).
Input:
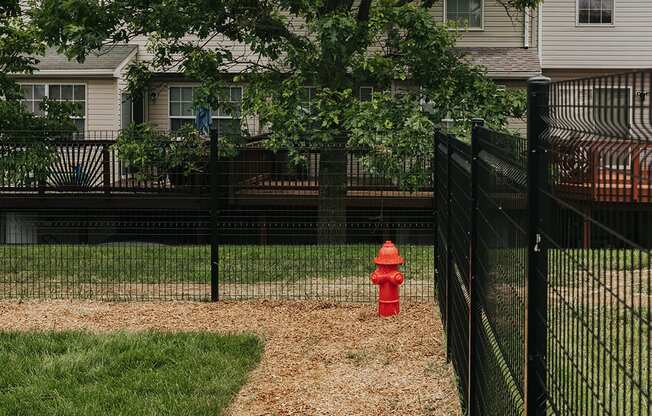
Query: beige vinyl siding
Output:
(102,109)
(239,50)
(500,30)
(157,106)
(626,44)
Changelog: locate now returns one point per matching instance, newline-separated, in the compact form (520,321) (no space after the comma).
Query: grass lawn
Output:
(155,263)
(599,360)
(147,373)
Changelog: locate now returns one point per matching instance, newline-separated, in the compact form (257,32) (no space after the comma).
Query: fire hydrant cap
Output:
(388,255)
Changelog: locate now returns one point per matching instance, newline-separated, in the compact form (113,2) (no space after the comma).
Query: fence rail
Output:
(543,253)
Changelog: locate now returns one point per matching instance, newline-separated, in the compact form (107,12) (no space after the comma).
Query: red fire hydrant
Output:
(388,278)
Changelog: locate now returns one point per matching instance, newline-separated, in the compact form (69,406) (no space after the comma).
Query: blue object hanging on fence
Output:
(204,120)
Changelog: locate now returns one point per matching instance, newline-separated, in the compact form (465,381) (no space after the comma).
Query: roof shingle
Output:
(511,63)
(108,58)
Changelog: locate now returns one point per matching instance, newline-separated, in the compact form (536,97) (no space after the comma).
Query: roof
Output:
(506,63)
(108,59)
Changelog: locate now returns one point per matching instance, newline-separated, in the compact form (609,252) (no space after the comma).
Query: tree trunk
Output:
(332,195)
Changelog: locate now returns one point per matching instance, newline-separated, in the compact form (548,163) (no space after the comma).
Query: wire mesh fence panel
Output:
(177,215)
(310,228)
(598,241)
(105,254)
(104,216)
(453,166)
(548,241)
(501,278)
(442,213)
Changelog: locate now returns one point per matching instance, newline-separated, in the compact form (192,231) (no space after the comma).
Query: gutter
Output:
(67,73)
(512,75)
(540,34)
(526,28)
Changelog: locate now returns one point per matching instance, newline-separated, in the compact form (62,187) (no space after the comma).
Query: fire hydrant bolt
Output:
(388,278)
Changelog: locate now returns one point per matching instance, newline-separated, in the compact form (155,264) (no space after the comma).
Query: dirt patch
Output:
(344,289)
(630,288)
(320,358)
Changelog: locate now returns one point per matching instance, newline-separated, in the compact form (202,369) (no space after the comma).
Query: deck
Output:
(89,174)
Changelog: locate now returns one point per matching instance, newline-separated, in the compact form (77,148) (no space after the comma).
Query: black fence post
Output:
(449,234)
(537,273)
(214,213)
(474,307)
(106,169)
(435,222)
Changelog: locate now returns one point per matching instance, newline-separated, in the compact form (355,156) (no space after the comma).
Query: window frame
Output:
(214,116)
(577,17)
(466,29)
(47,94)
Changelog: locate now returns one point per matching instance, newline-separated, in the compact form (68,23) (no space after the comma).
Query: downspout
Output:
(540,34)
(526,28)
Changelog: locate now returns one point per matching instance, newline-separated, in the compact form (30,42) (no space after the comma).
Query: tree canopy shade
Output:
(20,46)
(337,46)
(305,64)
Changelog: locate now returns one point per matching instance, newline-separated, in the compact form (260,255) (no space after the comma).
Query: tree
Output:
(19,49)
(335,45)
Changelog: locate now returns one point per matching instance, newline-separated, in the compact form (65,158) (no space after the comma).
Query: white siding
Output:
(102,104)
(626,44)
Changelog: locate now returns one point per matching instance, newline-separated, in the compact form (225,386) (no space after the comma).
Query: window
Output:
(72,93)
(32,97)
(595,12)
(611,111)
(132,110)
(366,93)
(465,13)
(226,118)
(33,94)
(307,97)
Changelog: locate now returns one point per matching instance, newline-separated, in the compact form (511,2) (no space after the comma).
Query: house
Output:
(600,40)
(582,38)
(96,85)
(505,44)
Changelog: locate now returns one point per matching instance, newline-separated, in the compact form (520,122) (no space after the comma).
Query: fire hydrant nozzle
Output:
(388,278)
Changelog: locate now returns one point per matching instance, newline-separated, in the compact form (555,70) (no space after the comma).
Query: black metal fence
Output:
(544,253)
(78,220)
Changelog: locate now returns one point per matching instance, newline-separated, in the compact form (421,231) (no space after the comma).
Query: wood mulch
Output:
(320,358)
